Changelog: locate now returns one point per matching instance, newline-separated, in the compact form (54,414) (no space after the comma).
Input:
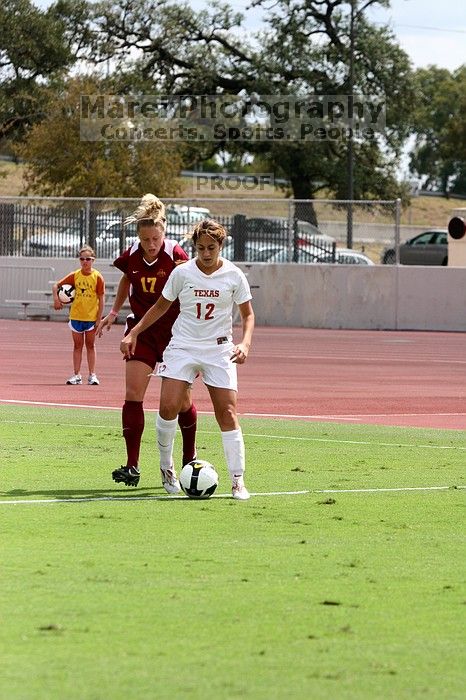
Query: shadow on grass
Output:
(77,495)
(83,493)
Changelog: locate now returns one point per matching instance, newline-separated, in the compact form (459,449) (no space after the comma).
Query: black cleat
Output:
(128,475)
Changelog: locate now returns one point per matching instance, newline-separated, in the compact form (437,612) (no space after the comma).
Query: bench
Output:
(26,313)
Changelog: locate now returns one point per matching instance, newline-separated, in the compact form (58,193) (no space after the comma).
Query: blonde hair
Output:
(211,228)
(86,249)
(151,210)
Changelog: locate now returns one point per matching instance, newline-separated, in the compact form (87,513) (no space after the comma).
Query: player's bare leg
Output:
(89,339)
(78,344)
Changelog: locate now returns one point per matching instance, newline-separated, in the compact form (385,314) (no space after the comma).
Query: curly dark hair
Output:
(210,227)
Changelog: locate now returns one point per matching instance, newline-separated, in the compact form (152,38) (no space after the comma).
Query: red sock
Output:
(132,418)
(188,424)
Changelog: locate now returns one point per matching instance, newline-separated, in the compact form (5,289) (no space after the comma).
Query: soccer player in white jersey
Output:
(207,287)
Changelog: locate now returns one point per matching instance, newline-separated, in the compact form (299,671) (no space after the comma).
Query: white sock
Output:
(166,431)
(233,447)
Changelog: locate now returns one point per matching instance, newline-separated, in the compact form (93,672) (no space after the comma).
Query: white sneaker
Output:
(92,379)
(75,379)
(239,490)
(170,481)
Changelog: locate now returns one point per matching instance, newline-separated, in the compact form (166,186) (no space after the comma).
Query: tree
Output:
(304,51)
(439,153)
(36,47)
(60,163)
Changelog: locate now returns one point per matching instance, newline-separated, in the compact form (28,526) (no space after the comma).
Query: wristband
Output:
(113,313)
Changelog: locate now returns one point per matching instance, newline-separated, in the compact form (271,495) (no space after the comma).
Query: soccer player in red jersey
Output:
(146,267)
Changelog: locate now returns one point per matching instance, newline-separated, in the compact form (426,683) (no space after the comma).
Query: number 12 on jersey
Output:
(205,313)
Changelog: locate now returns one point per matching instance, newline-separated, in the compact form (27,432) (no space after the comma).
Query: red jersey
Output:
(148,279)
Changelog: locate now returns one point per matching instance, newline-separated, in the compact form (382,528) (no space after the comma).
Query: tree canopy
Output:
(439,125)
(36,48)
(60,163)
(307,50)
(303,51)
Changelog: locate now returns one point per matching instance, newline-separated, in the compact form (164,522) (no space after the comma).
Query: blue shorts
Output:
(81,326)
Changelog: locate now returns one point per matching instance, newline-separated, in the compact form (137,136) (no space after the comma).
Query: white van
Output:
(181,218)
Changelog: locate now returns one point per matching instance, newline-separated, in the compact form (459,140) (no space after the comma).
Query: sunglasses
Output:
(86,259)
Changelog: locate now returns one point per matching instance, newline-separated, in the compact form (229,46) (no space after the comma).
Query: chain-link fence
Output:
(260,230)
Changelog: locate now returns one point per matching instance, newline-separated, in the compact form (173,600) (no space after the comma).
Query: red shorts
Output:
(150,344)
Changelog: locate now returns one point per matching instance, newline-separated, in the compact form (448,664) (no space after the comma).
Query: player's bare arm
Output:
(57,304)
(120,298)
(241,350)
(155,312)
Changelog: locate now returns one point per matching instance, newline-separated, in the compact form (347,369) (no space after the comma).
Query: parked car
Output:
(266,227)
(109,241)
(255,251)
(427,248)
(62,244)
(181,218)
(267,236)
(348,256)
(312,254)
(67,242)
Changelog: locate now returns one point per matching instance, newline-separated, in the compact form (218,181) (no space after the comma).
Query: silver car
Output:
(427,248)
(254,251)
(313,254)
(62,244)
(112,239)
(181,218)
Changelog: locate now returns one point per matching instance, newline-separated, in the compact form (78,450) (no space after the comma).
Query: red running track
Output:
(381,377)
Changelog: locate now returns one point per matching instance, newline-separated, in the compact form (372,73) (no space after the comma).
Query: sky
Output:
(430,31)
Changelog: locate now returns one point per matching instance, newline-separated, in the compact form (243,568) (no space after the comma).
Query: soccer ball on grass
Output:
(198,479)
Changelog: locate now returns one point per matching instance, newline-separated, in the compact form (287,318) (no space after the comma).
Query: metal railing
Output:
(283,228)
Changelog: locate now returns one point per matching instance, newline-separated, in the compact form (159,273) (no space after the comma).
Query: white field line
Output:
(316,417)
(377,359)
(349,416)
(267,436)
(354,442)
(128,499)
(60,405)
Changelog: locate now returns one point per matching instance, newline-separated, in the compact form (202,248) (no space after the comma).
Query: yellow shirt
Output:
(86,301)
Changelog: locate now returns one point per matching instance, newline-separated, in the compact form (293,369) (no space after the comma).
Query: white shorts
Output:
(213,363)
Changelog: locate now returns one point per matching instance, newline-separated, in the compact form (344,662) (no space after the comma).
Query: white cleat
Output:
(92,380)
(239,490)
(170,481)
(75,379)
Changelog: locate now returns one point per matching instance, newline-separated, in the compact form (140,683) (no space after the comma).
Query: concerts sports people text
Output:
(146,267)
(207,288)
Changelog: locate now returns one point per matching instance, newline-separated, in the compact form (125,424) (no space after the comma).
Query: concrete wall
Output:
(315,296)
(379,297)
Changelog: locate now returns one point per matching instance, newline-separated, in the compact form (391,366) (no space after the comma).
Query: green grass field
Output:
(121,594)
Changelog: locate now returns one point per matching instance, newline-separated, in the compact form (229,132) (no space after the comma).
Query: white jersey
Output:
(206,302)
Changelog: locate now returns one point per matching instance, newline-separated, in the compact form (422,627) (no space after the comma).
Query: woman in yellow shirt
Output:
(85,312)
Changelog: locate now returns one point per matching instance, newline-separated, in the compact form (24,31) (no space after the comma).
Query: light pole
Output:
(350,155)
